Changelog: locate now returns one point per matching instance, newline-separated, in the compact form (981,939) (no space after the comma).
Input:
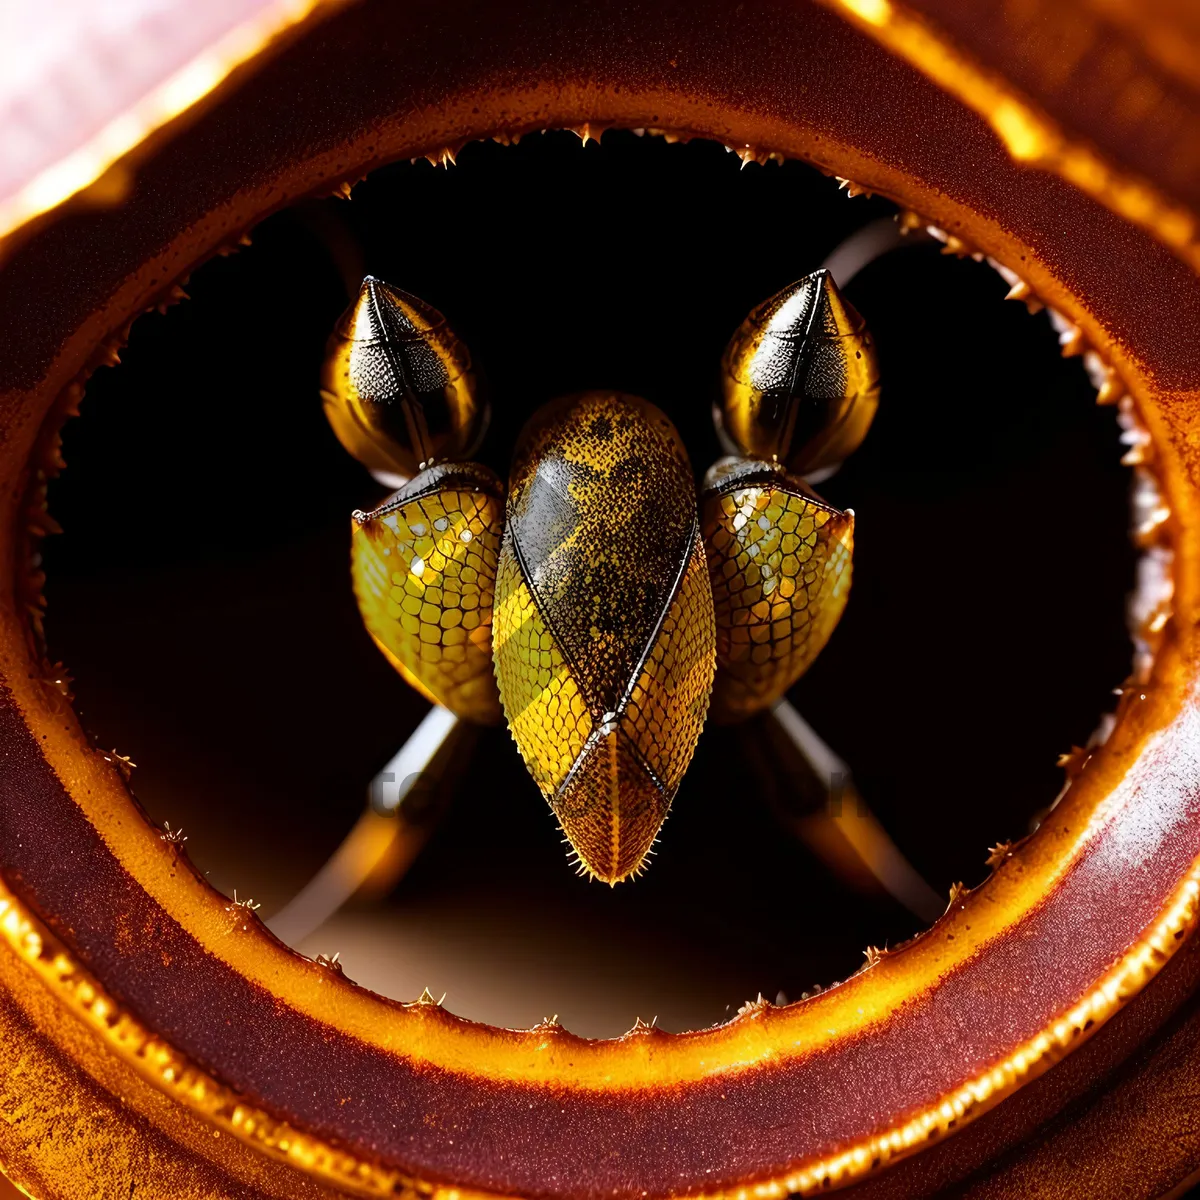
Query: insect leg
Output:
(405,801)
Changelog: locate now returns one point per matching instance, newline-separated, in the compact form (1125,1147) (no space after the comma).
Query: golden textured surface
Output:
(424,570)
(670,699)
(910,143)
(547,713)
(800,384)
(779,560)
(1100,92)
(63,1124)
(604,634)
(397,383)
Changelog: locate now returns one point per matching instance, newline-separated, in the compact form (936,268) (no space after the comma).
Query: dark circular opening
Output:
(200,595)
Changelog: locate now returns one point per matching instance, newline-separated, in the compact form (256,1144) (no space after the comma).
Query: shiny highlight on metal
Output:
(397,384)
(799,378)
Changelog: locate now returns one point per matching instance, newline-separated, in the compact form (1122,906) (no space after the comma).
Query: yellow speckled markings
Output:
(604,641)
(424,571)
(779,560)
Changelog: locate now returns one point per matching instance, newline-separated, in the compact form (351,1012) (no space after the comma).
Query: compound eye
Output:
(397,384)
(800,383)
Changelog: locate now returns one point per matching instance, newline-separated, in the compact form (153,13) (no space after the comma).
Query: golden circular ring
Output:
(155,1036)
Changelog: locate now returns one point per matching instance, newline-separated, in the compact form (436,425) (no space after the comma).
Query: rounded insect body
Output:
(424,570)
(779,559)
(800,381)
(592,607)
(604,636)
(398,386)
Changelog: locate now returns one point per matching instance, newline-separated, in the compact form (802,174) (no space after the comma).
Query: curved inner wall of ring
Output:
(264,779)
(1155,802)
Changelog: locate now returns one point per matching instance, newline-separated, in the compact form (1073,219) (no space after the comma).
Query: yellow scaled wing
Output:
(424,571)
(779,561)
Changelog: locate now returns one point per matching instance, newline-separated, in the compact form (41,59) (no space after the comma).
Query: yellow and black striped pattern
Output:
(780,561)
(547,713)
(604,642)
(424,570)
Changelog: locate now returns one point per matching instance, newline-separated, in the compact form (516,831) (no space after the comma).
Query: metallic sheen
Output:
(604,630)
(800,384)
(397,384)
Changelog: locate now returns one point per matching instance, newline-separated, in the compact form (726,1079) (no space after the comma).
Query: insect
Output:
(594,603)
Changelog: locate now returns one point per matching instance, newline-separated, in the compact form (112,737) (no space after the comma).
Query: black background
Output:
(200,593)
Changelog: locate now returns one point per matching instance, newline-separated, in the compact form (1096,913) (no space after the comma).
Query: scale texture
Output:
(605,647)
(780,563)
(424,571)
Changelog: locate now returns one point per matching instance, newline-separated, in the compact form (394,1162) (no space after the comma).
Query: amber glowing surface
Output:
(603,632)
(68,118)
(1100,92)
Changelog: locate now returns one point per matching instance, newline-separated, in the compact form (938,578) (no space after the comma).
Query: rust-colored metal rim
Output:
(145,995)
